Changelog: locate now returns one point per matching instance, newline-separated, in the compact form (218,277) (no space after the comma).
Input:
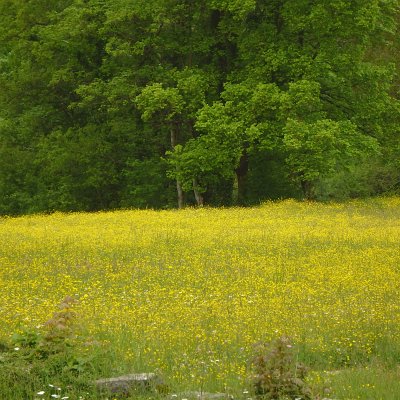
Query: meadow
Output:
(188,293)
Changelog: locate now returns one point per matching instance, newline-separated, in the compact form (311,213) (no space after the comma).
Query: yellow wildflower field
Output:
(189,292)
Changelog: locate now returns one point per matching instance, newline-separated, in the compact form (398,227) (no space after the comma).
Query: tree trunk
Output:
(308,190)
(179,189)
(180,194)
(241,179)
(198,196)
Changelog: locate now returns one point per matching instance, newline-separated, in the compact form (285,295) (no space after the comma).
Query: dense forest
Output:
(166,103)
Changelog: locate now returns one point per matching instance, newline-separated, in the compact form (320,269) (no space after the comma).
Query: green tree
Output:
(136,103)
(304,85)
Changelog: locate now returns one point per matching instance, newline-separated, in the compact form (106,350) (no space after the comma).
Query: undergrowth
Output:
(47,362)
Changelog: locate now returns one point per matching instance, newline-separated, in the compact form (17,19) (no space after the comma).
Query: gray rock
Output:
(201,396)
(126,384)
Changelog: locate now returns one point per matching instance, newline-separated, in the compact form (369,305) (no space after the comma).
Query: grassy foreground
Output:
(189,292)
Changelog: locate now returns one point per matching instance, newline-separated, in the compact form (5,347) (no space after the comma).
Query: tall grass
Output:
(188,293)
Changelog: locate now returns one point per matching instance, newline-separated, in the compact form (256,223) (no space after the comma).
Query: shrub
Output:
(277,375)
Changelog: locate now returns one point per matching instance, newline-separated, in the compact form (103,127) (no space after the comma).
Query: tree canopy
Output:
(161,103)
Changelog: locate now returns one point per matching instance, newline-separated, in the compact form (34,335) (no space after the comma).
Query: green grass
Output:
(371,382)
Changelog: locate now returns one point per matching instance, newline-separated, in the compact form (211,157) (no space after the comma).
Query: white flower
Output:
(56,396)
(41,393)
(16,348)
(64,398)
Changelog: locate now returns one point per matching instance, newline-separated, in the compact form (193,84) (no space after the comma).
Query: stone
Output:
(126,384)
(201,396)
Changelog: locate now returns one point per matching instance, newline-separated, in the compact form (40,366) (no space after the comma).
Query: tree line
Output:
(162,103)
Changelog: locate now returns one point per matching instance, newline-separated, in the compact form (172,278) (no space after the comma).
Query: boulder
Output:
(201,396)
(127,384)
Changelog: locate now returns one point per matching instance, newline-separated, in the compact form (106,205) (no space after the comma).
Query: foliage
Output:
(37,357)
(319,149)
(92,92)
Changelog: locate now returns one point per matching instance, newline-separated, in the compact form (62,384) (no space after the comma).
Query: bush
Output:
(277,375)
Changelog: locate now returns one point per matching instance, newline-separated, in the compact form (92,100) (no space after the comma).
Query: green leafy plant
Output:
(34,358)
(26,339)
